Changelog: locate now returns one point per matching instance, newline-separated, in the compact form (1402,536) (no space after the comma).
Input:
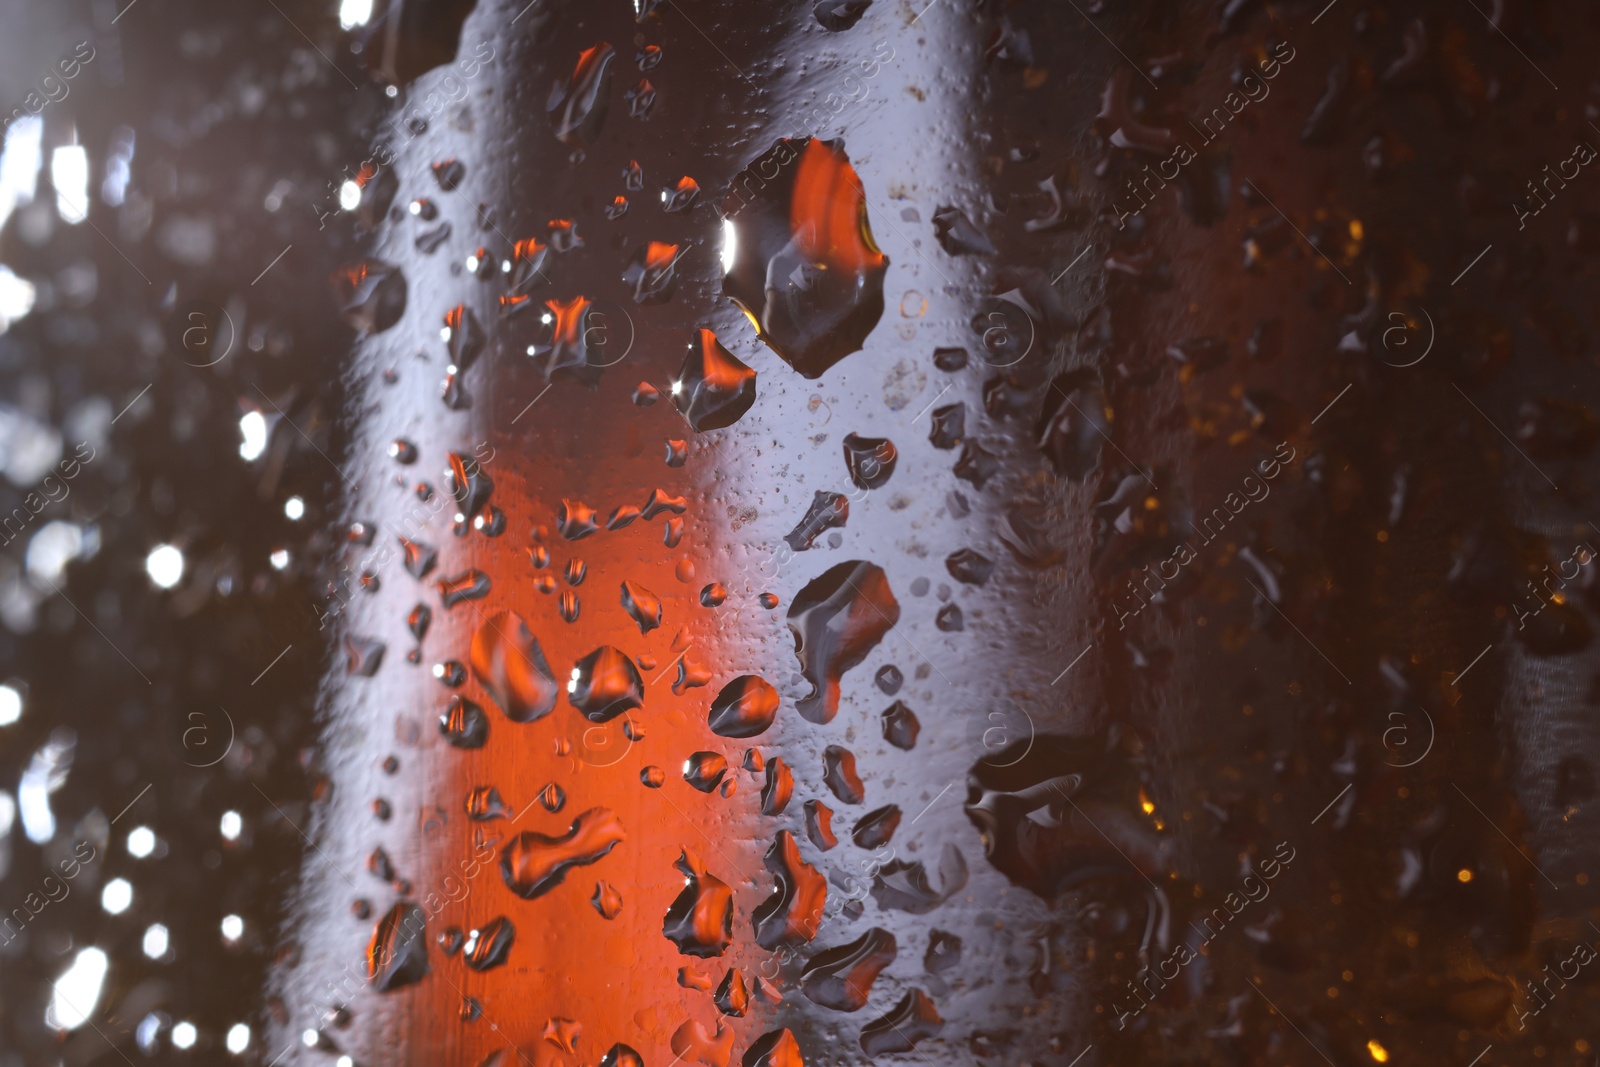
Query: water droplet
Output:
(652,776)
(620,1055)
(659,502)
(604,684)
(569,606)
(792,914)
(563,1034)
(875,829)
(420,557)
(902,886)
(428,241)
(606,900)
(800,259)
(969,566)
(652,273)
(397,955)
(870,460)
(839,772)
(678,197)
(575,520)
(827,511)
(577,108)
(643,606)
(489,946)
(463,335)
(418,620)
(841,978)
(745,707)
(464,724)
(949,619)
(714,388)
(777,1048)
(534,863)
(449,173)
(469,484)
(645,395)
(914,1019)
(819,825)
(778,788)
(371,295)
(944,953)
(732,997)
(836,16)
(566,330)
(900,726)
(677,452)
(889,679)
(836,620)
(450,673)
(713,595)
(949,425)
(704,770)
(484,804)
(552,798)
(700,920)
(510,665)
(363,656)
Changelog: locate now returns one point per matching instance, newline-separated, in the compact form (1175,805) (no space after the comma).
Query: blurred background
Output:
(161,497)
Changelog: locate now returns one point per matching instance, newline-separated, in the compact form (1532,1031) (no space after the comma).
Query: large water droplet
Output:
(714,388)
(371,295)
(827,511)
(397,955)
(870,460)
(489,945)
(464,725)
(841,978)
(578,107)
(700,920)
(643,606)
(794,911)
(836,620)
(800,258)
(510,665)
(534,863)
(605,684)
(914,1019)
(745,707)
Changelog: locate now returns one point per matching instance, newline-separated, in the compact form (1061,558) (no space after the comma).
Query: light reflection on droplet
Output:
(155,941)
(184,1035)
(238,1038)
(279,558)
(232,825)
(349,196)
(295,508)
(232,927)
(730,245)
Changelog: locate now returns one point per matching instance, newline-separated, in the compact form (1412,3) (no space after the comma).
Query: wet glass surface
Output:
(840,532)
